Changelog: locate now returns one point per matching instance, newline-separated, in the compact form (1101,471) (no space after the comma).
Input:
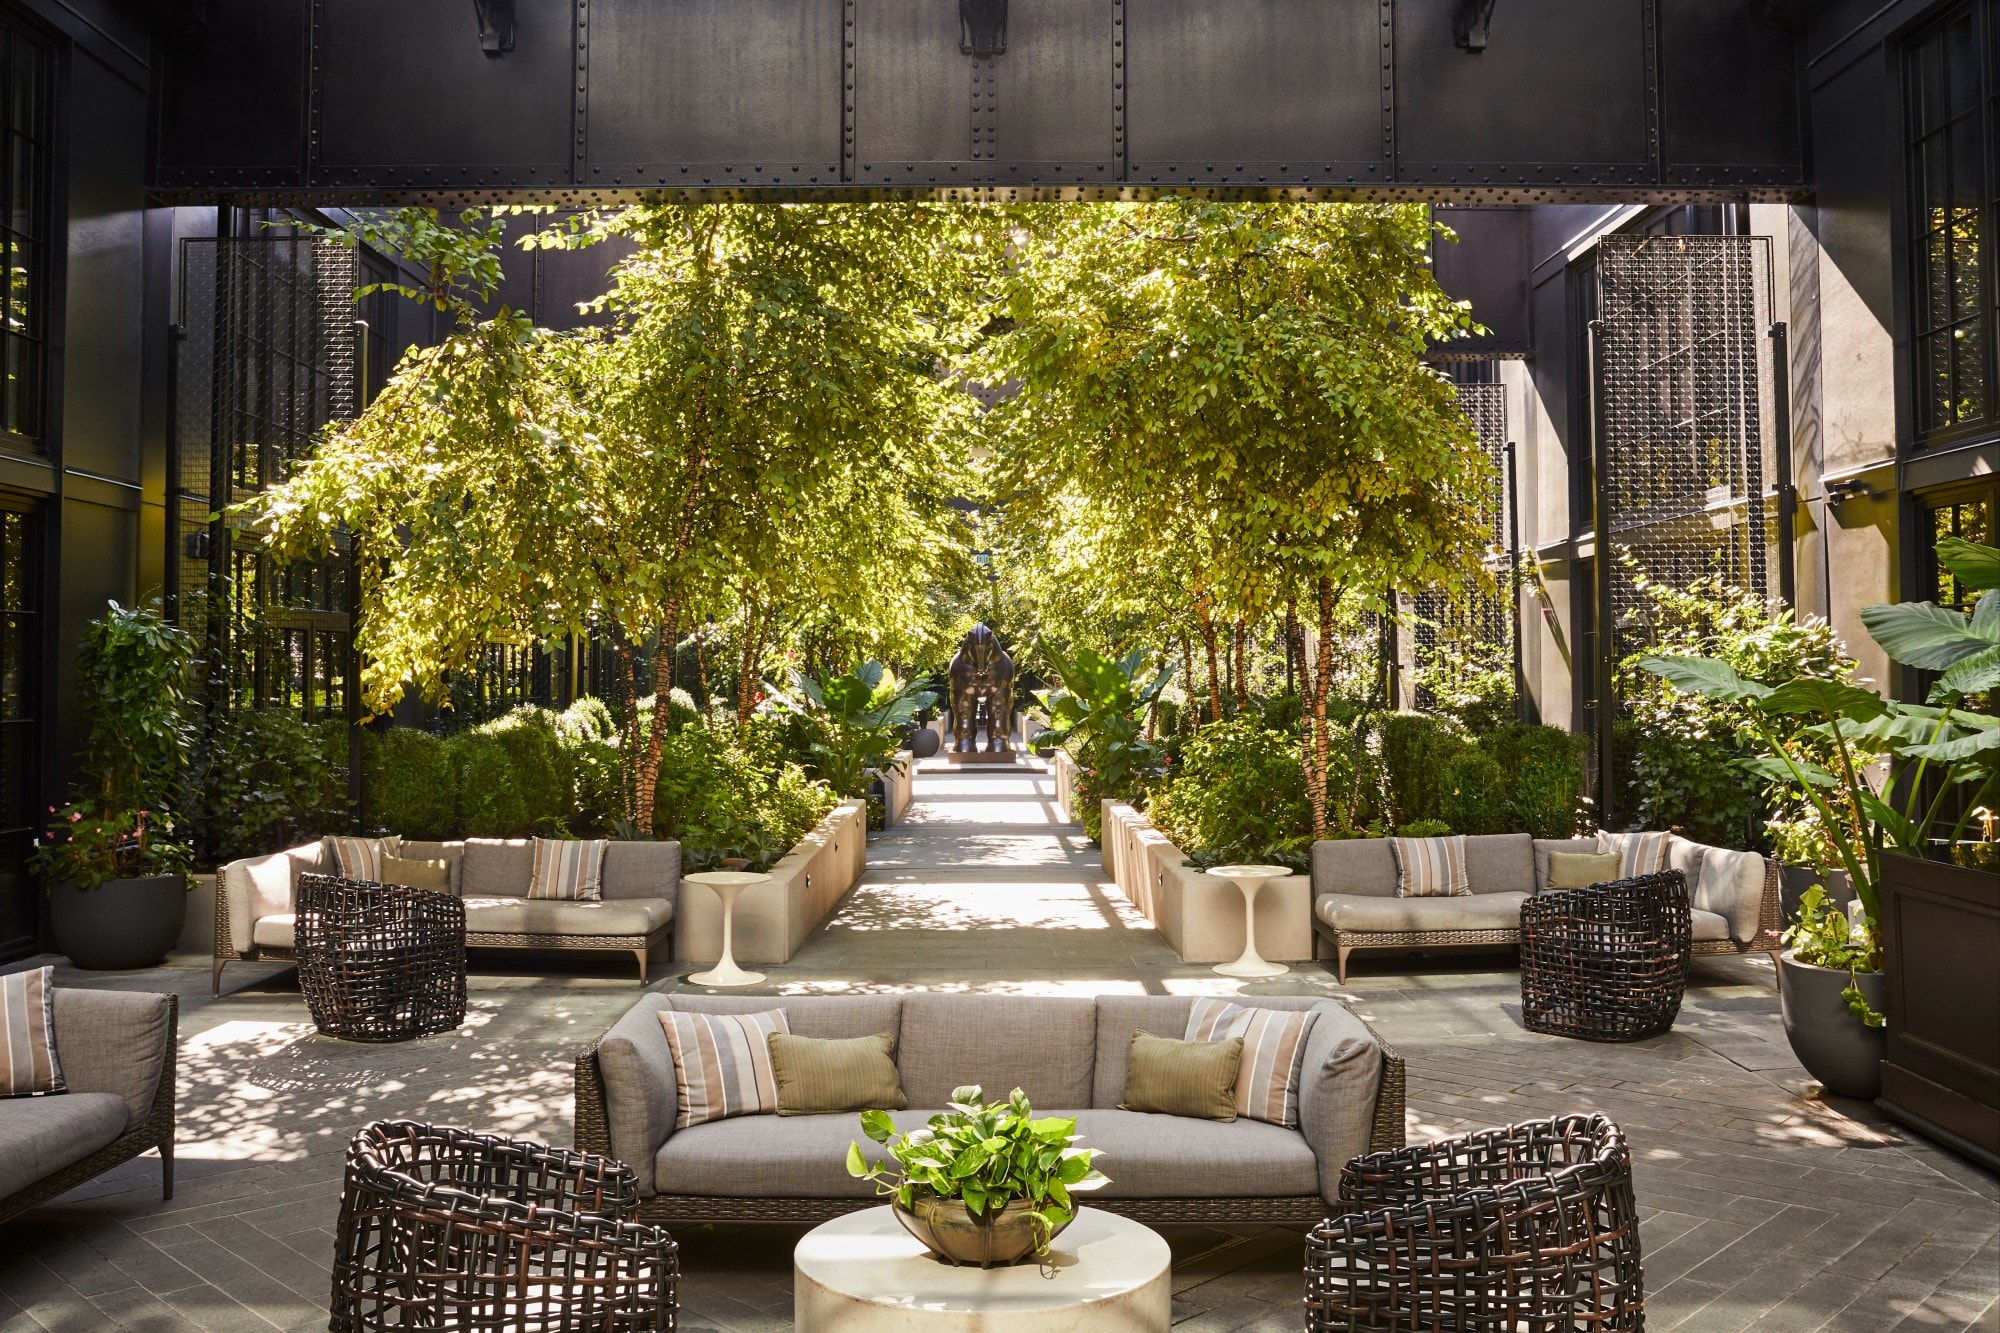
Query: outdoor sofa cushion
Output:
(1146,1156)
(1732,886)
(39,1136)
(261,886)
(1040,1045)
(114,1042)
(553,916)
(451,853)
(1494,863)
(1707,925)
(1362,913)
(642,870)
(497,867)
(1544,846)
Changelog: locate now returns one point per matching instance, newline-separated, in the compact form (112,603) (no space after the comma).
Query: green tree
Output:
(1247,382)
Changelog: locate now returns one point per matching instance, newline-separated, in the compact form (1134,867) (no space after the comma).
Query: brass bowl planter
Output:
(955,1234)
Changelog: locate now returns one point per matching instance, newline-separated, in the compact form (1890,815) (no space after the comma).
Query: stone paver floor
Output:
(1764,1208)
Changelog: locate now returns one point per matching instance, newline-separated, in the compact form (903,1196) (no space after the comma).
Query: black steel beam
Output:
(378,101)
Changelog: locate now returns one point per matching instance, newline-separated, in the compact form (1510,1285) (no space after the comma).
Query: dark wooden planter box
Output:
(1941,940)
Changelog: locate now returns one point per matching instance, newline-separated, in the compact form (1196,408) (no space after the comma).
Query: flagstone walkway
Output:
(1764,1209)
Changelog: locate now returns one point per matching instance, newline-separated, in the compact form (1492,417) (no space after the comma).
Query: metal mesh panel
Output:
(1683,391)
(264,361)
(1475,625)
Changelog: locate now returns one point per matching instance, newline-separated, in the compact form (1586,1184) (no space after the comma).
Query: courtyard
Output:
(1764,1206)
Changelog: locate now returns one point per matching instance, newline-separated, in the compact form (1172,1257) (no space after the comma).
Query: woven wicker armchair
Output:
(444,1228)
(380,962)
(1529,1226)
(1609,962)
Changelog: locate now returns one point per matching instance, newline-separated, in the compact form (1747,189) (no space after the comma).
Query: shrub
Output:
(268,780)
(706,784)
(511,777)
(1424,828)
(1542,768)
(587,738)
(1415,750)
(1472,793)
(793,805)
(411,785)
(1239,791)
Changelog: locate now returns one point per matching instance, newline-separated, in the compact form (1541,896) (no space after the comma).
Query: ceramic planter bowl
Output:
(121,924)
(949,1230)
(1836,1048)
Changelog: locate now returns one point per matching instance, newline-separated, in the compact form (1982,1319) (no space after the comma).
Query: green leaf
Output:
(1974,674)
(877,1125)
(1975,566)
(1704,676)
(1925,635)
(1775,770)
(856,1166)
(1823,698)
(1961,747)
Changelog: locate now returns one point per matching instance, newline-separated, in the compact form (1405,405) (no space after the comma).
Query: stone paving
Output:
(1765,1208)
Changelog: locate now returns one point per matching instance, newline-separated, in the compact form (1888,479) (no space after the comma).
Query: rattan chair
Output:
(1529,1227)
(1606,963)
(447,1229)
(380,962)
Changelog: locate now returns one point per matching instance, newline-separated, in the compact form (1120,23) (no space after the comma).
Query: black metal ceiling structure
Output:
(586,101)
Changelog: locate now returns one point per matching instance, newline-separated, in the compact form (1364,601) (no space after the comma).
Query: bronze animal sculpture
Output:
(982,693)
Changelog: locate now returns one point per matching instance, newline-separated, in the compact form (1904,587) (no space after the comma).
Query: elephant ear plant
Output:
(1942,757)
(987,1156)
(855,722)
(1099,706)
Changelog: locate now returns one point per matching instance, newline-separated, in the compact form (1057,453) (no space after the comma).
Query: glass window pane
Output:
(1968,372)
(19,408)
(1961,61)
(1965,267)
(1965,173)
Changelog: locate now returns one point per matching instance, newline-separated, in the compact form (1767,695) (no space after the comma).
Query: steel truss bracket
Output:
(1469,22)
(982,27)
(496,26)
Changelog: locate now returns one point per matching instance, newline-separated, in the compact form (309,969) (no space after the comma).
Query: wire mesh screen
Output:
(1684,389)
(1471,633)
(266,358)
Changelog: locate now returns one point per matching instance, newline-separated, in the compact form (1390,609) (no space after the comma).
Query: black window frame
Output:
(19,35)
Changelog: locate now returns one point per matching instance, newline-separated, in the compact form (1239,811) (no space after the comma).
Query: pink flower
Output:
(74,817)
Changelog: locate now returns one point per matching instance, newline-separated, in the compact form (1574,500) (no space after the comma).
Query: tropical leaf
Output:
(1960,747)
(1925,635)
(1823,698)
(1974,565)
(1976,674)
(1704,676)
(1775,770)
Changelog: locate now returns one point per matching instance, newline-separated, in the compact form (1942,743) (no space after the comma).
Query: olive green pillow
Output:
(1580,870)
(819,1075)
(432,875)
(1196,1079)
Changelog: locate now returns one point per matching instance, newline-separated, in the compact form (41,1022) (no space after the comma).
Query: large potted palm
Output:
(115,869)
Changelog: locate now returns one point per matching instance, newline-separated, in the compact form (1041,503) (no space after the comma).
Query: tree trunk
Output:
(1209,648)
(628,732)
(1322,686)
(663,688)
(1241,673)
(746,673)
(1193,709)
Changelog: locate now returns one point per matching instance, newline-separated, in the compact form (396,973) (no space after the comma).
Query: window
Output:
(1946,116)
(20,648)
(1968,515)
(26,80)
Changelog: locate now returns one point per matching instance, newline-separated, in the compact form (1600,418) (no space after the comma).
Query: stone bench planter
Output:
(774,919)
(1199,915)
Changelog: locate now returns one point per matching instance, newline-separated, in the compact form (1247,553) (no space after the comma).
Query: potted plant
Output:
(1934,765)
(855,722)
(980,1184)
(1098,709)
(115,869)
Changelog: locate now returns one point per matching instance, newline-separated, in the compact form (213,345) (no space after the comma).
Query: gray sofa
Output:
(256,898)
(1068,1055)
(1733,896)
(116,1049)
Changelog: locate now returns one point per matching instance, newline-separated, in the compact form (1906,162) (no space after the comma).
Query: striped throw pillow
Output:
(1274,1047)
(1640,853)
(1430,867)
(357,858)
(722,1063)
(28,1063)
(568,869)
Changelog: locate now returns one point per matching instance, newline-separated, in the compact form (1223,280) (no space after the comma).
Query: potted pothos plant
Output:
(112,858)
(1888,784)
(980,1184)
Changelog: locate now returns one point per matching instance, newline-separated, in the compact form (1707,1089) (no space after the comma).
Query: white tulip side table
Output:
(1250,879)
(728,884)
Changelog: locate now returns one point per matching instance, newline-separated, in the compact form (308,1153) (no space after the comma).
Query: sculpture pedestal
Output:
(983,757)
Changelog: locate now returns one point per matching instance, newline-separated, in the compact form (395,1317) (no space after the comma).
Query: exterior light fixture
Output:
(496,26)
(1469,21)
(1839,492)
(982,27)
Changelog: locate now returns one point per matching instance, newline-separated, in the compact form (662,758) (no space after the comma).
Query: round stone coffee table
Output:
(863,1273)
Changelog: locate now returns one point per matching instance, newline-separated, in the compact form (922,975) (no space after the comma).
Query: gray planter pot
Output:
(1793,881)
(121,924)
(1836,1048)
(925,743)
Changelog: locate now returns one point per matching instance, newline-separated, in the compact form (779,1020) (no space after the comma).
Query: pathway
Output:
(1764,1209)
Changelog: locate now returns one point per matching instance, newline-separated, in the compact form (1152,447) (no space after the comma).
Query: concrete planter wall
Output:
(1064,768)
(774,919)
(1200,916)
(198,930)
(900,784)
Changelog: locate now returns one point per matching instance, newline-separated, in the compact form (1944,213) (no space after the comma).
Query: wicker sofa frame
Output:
(1530,1226)
(155,1131)
(593,1135)
(1340,944)
(445,1228)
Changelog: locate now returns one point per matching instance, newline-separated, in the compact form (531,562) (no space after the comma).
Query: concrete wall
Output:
(774,919)
(1199,915)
